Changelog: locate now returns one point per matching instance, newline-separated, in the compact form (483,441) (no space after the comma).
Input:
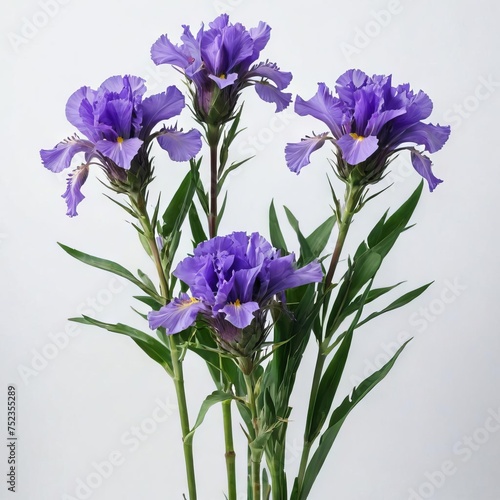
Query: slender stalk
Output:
(183,413)
(139,204)
(212,218)
(352,197)
(255,454)
(230,454)
(213,136)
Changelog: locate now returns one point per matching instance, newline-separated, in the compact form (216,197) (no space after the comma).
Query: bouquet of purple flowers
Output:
(248,306)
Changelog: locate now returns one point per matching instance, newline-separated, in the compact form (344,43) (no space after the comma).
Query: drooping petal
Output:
(224,81)
(240,314)
(180,146)
(269,93)
(164,51)
(178,315)
(356,149)
(322,106)
(59,158)
(121,152)
(283,275)
(431,136)
(73,195)
(271,71)
(160,107)
(298,154)
(422,164)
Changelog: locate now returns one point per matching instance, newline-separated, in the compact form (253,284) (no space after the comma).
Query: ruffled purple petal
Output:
(378,120)
(283,275)
(121,152)
(180,146)
(356,149)
(73,195)
(322,106)
(240,314)
(59,158)
(73,108)
(260,36)
(160,107)
(238,46)
(270,71)
(225,81)
(178,315)
(164,51)
(298,154)
(431,136)
(269,93)
(422,164)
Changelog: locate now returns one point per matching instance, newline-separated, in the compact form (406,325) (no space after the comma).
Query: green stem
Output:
(213,137)
(352,198)
(230,454)
(212,217)
(183,413)
(309,440)
(255,453)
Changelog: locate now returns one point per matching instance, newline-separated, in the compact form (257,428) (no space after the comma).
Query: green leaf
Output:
(110,266)
(221,211)
(178,207)
(338,417)
(318,239)
(275,231)
(330,380)
(197,230)
(233,167)
(152,347)
(210,400)
(306,254)
(146,280)
(400,302)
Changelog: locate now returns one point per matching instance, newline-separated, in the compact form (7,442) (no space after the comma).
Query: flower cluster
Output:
(369,121)
(220,62)
(233,281)
(117,122)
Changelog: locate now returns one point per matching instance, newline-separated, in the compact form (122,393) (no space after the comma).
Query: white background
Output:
(82,405)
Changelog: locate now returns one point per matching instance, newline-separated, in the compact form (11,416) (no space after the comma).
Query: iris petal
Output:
(269,93)
(240,315)
(59,158)
(298,154)
(422,164)
(356,150)
(73,195)
(122,152)
(176,316)
(180,146)
(322,106)
(160,107)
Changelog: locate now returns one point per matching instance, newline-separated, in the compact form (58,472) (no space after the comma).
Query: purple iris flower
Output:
(220,62)
(369,121)
(117,122)
(233,281)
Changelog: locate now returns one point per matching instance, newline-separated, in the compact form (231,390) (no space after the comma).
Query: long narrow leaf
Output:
(338,418)
(152,347)
(110,266)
